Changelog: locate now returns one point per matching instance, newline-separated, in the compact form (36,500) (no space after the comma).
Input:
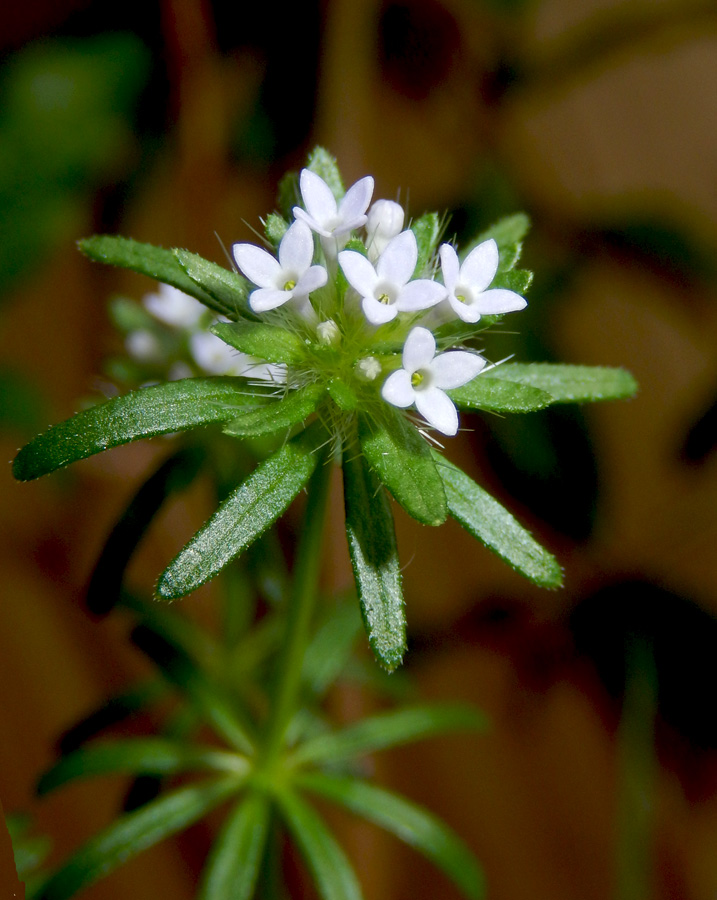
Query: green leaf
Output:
(150,411)
(138,756)
(388,730)
(324,164)
(107,579)
(228,289)
(374,557)
(402,460)
(571,384)
(409,822)
(246,514)
(494,526)
(234,862)
(290,410)
(275,227)
(342,395)
(428,230)
(518,280)
(497,395)
(155,262)
(333,874)
(508,233)
(330,649)
(133,833)
(268,342)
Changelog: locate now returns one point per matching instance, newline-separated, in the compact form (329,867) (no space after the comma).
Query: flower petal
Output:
(468,312)
(419,349)
(268,298)
(438,410)
(480,266)
(449,265)
(359,272)
(318,197)
(500,300)
(398,390)
(376,312)
(355,203)
(455,368)
(296,248)
(398,261)
(420,294)
(313,278)
(259,266)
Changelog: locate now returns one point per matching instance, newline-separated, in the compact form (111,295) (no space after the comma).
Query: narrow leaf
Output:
(571,384)
(146,259)
(134,833)
(494,526)
(374,557)
(402,460)
(518,280)
(234,863)
(275,227)
(325,166)
(228,289)
(175,474)
(330,649)
(388,730)
(246,514)
(150,411)
(333,874)
(409,822)
(507,232)
(499,395)
(290,410)
(269,342)
(138,756)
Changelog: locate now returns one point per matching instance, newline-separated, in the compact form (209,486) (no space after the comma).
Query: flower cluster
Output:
(371,293)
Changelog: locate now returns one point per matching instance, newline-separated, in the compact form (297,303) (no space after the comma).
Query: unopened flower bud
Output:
(385,221)
(368,368)
(328,333)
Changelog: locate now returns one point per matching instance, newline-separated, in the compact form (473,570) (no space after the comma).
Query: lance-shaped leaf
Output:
(228,289)
(518,280)
(269,342)
(150,411)
(331,647)
(133,833)
(403,462)
(290,410)
(428,231)
(570,384)
(498,395)
(508,233)
(209,697)
(333,874)
(374,557)
(138,756)
(175,474)
(409,822)
(494,526)
(325,166)
(243,516)
(146,259)
(235,860)
(388,730)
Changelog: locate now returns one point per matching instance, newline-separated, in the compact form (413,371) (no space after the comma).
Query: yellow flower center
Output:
(417,379)
(290,285)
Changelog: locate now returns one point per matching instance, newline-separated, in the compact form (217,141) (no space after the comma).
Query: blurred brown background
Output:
(599,117)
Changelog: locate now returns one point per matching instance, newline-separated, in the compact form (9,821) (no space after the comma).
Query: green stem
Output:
(304,593)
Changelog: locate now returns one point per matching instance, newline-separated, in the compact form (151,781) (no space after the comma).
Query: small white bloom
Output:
(368,368)
(174,307)
(425,376)
(387,289)
(290,277)
(385,221)
(333,222)
(216,357)
(328,333)
(143,346)
(467,284)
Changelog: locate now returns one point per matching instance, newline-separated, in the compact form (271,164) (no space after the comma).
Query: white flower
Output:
(467,284)
(333,222)
(174,307)
(385,221)
(216,357)
(387,289)
(290,277)
(425,376)
(143,346)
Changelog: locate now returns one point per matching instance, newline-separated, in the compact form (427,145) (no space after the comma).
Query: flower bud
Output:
(385,221)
